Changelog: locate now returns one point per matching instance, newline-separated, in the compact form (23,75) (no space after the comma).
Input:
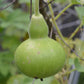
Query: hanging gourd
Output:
(39,56)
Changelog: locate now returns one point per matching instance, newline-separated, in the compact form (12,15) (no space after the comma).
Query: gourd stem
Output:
(36,9)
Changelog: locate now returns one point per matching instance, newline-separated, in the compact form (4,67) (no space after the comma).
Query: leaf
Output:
(4,69)
(3,79)
(78,66)
(75,1)
(16,19)
(24,1)
(54,81)
(71,61)
(79,48)
(14,32)
(61,1)
(80,12)
(45,81)
(22,79)
(19,79)
(10,43)
(5,62)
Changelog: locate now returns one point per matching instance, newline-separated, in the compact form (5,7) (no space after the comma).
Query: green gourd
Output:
(39,56)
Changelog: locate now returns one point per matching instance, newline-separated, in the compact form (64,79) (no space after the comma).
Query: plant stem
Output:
(74,33)
(70,71)
(59,33)
(63,11)
(30,9)
(36,9)
(53,20)
(62,82)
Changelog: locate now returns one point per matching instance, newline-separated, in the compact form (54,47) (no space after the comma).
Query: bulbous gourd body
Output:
(39,56)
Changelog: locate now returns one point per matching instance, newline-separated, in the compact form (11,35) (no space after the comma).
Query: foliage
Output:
(13,26)
(22,79)
(81,79)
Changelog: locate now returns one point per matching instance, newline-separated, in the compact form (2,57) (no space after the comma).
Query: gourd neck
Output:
(36,8)
(38,27)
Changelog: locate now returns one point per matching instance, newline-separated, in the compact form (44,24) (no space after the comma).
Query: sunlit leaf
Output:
(26,1)
(80,12)
(71,61)
(21,79)
(61,1)
(78,66)
(75,1)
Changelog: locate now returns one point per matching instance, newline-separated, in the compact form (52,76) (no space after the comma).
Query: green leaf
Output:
(3,79)
(14,32)
(24,1)
(71,61)
(16,19)
(80,47)
(10,43)
(19,79)
(5,61)
(45,81)
(78,66)
(75,1)
(4,69)
(80,12)
(61,1)
(22,79)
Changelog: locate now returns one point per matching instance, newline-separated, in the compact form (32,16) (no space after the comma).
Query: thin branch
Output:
(51,32)
(71,49)
(70,24)
(7,5)
(30,9)
(63,11)
(47,4)
(75,32)
(59,33)
(53,20)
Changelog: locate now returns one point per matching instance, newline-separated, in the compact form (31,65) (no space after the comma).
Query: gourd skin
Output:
(38,27)
(40,57)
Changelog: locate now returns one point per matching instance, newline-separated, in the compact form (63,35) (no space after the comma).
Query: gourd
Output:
(39,56)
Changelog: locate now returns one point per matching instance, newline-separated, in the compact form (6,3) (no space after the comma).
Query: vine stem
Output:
(62,82)
(53,20)
(70,71)
(36,9)
(63,11)
(75,32)
(59,33)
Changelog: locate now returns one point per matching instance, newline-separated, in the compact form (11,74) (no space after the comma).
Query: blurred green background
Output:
(13,30)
